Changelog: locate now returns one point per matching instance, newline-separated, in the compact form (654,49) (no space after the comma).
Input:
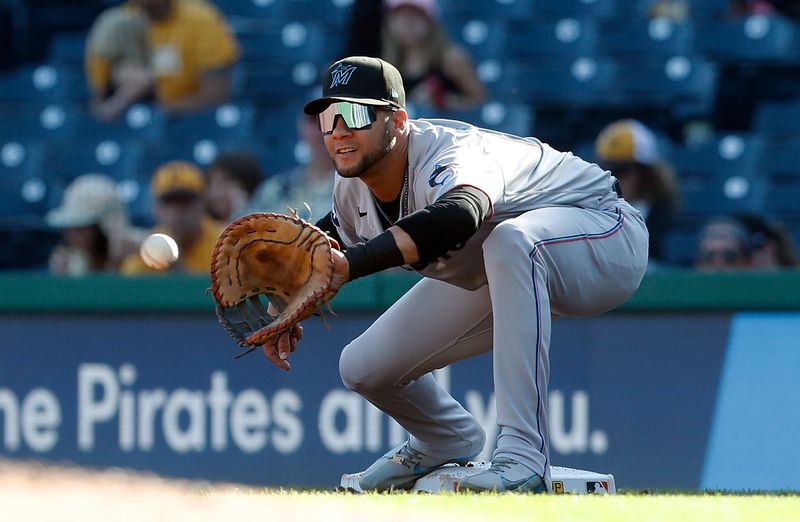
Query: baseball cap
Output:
(176,179)
(360,79)
(429,7)
(626,141)
(87,201)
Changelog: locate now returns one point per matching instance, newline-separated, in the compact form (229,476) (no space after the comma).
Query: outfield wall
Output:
(693,384)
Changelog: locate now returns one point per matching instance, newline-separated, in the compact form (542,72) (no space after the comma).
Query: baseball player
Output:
(508,232)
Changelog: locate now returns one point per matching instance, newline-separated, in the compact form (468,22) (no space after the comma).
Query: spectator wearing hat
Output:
(724,245)
(95,227)
(630,150)
(178,189)
(179,51)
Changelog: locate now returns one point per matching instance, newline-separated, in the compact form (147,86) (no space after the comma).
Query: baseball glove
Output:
(269,272)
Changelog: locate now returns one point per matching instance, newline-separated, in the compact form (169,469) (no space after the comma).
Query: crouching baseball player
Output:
(508,233)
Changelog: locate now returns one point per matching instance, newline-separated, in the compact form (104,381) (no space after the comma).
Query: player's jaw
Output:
(355,152)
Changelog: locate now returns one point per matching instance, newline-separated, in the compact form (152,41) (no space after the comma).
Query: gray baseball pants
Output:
(553,261)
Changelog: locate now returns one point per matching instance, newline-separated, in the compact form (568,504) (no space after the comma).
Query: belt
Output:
(615,187)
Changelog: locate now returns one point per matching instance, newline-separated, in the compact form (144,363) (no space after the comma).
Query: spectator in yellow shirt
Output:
(180,51)
(178,189)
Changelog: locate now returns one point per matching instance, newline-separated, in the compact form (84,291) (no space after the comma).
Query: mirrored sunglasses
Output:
(355,116)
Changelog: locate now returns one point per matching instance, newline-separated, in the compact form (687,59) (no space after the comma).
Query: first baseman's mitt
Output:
(268,273)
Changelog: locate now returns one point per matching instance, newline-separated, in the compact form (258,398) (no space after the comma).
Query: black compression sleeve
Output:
(379,253)
(326,225)
(446,224)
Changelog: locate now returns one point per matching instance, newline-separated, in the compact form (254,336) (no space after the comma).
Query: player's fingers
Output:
(284,345)
(270,350)
(298,331)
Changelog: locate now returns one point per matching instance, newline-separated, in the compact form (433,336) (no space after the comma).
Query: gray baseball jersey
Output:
(517,174)
(558,242)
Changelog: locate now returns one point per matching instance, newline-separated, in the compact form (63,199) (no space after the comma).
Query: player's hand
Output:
(341,270)
(279,348)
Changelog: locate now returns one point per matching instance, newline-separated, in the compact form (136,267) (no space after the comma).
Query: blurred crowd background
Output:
(121,118)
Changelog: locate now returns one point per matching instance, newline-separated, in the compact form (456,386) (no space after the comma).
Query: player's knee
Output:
(356,373)
(505,239)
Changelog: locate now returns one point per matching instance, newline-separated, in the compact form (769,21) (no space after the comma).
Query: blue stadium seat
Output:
(484,39)
(511,118)
(227,121)
(721,176)
(253,9)
(595,9)
(68,49)
(65,161)
(708,10)
(778,117)
(685,84)
(646,40)
(757,39)
(563,39)
(140,122)
(584,81)
(680,243)
(328,12)
(37,121)
(32,83)
(460,10)
(284,44)
(779,164)
(24,193)
(263,82)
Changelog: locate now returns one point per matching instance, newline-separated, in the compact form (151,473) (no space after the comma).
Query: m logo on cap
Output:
(341,75)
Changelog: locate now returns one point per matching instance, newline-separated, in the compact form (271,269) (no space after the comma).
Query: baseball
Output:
(159,251)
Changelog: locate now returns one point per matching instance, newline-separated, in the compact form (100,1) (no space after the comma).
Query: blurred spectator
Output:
(232,179)
(630,151)
(437,73)
(96,230)
(675,10)
(744,242)
(180,51)
(310,183)
(724,245)
(179,190)
(771,243)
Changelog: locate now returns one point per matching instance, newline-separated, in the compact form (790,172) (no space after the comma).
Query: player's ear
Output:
(399,119)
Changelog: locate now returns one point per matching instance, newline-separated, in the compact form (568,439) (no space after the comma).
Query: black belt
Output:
(615,188)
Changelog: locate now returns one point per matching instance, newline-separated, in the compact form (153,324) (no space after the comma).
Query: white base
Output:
(446,478)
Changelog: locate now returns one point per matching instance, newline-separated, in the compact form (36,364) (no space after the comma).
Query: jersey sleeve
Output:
(460,167)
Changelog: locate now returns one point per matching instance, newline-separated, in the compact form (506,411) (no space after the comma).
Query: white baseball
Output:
(159,251)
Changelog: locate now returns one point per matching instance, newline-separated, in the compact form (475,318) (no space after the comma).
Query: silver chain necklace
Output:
(404,201)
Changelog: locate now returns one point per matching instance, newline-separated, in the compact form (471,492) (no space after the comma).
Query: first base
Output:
(446,478)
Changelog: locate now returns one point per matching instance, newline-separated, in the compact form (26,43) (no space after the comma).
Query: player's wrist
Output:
(375,255)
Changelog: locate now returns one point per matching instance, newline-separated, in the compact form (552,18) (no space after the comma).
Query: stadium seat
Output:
(780,166)
(649,40)
(584,81)
(227,121)
(265,82)
(65,161)
(778,117)
(484,39)
(721,176)
(139,123)
(687,85)
(756,39)
(282,45)
(555,10)
(24,194)
(37,121)
(563,39)
(42,83)
(68,49)
(253,9)
(511,118)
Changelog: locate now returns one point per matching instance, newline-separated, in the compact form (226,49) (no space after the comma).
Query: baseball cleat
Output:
(398,469)
(504,475)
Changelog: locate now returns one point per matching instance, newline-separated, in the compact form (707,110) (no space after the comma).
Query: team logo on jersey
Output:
(437,171)
(341,75)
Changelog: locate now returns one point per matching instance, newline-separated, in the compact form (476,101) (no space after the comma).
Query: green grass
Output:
(546,508)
